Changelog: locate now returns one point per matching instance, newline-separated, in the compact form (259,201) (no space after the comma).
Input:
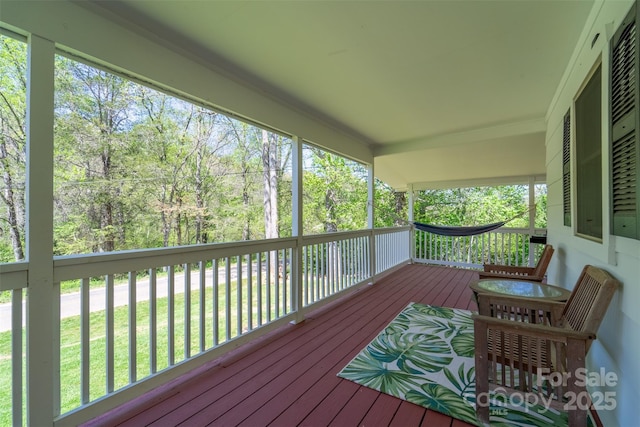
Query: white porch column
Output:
(410,203)
(532,216)
(412,233)
(296,224)
(371,195)
(42,299)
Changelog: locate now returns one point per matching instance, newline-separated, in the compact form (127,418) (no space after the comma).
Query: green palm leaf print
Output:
(426,356)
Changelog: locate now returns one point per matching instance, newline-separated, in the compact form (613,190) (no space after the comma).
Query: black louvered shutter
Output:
(566,168)
(625,209)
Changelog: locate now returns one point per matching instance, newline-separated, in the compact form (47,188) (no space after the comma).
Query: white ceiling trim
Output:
(484,182)
(523,127)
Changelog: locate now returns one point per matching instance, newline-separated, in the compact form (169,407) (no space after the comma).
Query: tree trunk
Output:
(9,200)
(166,221)
(106,219)
(400,203)
(270,167)
(246,229)
(199,198)
(330,222)
(179,221)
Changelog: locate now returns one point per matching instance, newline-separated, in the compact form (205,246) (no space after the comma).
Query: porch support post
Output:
(371,193)
(532,217)
(42,317)
(297,230)
(412,233)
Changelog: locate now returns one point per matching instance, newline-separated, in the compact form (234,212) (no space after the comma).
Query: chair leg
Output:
(482,413)
(576,354)
(482,374)
(577,418)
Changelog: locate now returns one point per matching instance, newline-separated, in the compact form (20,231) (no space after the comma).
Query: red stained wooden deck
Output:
(290,378)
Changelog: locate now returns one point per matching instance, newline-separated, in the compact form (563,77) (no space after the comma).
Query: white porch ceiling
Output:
(442,91)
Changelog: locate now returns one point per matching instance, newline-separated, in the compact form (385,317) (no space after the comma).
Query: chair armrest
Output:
(545,332)
(489,275)
(515,269)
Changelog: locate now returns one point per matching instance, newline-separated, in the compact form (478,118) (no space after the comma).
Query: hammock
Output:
(444,230)
(473,230)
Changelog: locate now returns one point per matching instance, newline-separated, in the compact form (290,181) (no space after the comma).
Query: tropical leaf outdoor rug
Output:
(426,356)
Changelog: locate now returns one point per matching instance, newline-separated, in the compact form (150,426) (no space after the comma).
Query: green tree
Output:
(335,193)
(473,206)
(13,138)
(92,130)
(270,182)
(390,206)
(205,163)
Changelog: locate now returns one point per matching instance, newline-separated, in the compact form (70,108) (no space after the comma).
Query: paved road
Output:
(70,303)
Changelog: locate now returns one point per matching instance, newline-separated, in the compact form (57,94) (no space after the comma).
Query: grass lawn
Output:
(70,345)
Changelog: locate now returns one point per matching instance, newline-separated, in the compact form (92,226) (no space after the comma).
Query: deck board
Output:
(359,405)
(292,379)
(408,414)
(382,412)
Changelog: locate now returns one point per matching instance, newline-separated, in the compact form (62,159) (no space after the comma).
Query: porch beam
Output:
(42,298)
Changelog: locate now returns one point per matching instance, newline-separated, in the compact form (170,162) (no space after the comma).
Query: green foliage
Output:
(335,193)
(390,207)
(6,252)
(480,205)
(137,168)
(477,206)
(13,137)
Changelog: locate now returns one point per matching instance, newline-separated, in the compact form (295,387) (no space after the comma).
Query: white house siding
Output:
(617,348)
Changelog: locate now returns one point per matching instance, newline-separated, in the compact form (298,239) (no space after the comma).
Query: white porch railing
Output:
(130,321)
(392,248)
(507,246)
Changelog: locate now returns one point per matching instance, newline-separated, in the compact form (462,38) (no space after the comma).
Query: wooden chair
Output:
(516,339)
(495,271)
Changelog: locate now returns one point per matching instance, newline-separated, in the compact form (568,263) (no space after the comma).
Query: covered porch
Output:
(424,94)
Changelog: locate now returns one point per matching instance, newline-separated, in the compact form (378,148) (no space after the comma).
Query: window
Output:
(566,168)
(625,217)
(589,158)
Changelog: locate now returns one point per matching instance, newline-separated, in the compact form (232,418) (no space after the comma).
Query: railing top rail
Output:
(386,230)
(14,266)
(240,246)
(14,276)
(523,230)
(90,265)
(332,237)
(343,235)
